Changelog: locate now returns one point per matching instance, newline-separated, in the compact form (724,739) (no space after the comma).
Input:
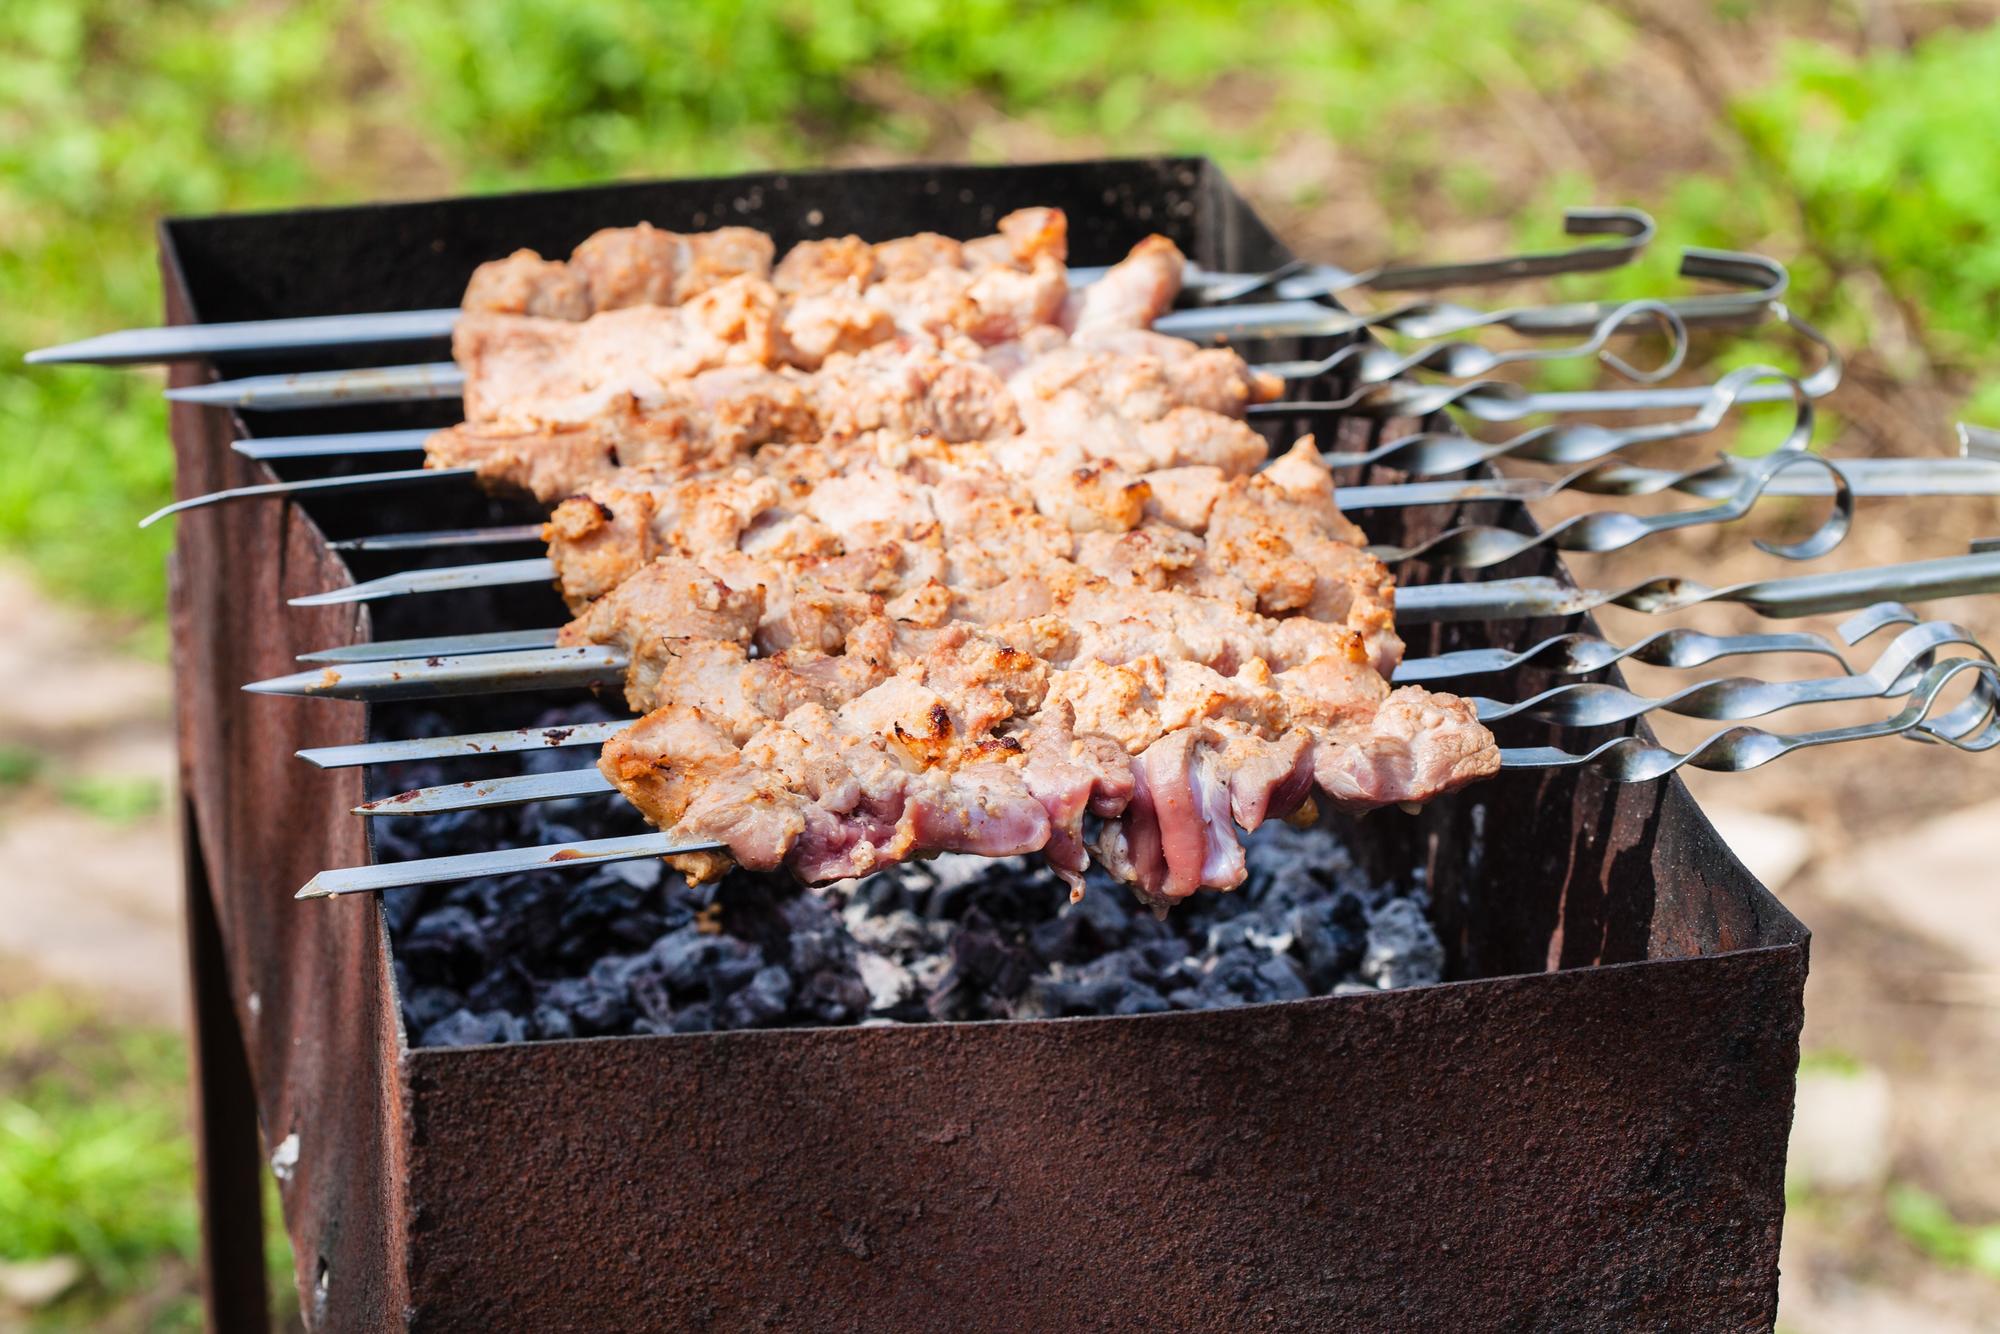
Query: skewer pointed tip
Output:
(352,593)
(312,890)
(43,356)
(215,392)
(297,683)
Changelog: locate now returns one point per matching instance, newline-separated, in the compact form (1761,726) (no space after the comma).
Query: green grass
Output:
(113,800)
(1923,1220)
(96,1163)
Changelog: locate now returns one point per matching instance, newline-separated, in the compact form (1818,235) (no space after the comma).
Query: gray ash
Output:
(631,948)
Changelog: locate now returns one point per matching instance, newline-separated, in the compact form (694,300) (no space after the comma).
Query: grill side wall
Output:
(309,983)
(1598,1149)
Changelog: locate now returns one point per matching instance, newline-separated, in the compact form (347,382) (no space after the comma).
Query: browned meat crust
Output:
(917,659)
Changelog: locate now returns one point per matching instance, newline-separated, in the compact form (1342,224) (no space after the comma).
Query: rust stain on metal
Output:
(1589,1148)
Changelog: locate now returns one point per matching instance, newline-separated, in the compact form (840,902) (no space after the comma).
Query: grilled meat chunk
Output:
(908,389)
(615,268)
(529,367)
(918,660)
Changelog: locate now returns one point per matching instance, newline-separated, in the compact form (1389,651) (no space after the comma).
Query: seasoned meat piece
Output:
(671,598)
(1137,290)
(963,583)
(617,267)
(523,370)
(526,284)
(838,262)
(827,324)
(547,462)
(644,266)
(910,257)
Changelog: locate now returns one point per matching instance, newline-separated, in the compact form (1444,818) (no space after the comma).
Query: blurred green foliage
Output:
(112,115)
(1926,1223)
(95,1164)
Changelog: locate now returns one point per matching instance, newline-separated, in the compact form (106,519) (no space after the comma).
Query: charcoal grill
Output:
(1584,1129)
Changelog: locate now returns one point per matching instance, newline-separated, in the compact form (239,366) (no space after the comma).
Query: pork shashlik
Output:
(911,549)
(894,662)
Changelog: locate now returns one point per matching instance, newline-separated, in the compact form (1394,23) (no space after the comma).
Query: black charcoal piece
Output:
(631,948)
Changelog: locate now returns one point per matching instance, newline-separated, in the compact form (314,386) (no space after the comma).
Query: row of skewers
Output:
(670,387)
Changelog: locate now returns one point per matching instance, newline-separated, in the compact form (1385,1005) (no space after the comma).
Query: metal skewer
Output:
(1799,595)
(440,675)
(1477,546)
(1729,699)
(359,482)
(1571,654)
(1972,726)
(1372,363)
(1498,599)
(466,744)
(1471,547)
(1428,453)
(471,866)
(1586,705)
(352,444)
(1503,401)
(444,380)
(499,535)
(1422,454)
(1866,478)
(439,646)
(1292,282)
(1576,654)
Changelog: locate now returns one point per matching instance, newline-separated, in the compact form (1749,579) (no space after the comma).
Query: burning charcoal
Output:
(822,958)
(548,1022)
(399,907)
(505,988)
(682,956)
(1331,934)
(1108,985)
(424,1006)
(762,1001)
(1100,922)
(733,965)
(447,946)
(890,986)
(832,997)
(1403,950)
(632,948)
(691,1019)
(1140,999)
(596,1003)
(1247,976)
(988,969)
(606,912)
(463,1028)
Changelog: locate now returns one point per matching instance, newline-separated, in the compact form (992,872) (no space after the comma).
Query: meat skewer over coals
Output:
(526,280)
(960,672)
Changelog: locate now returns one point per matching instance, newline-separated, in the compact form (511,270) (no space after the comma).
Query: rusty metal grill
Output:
(1584,1128)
